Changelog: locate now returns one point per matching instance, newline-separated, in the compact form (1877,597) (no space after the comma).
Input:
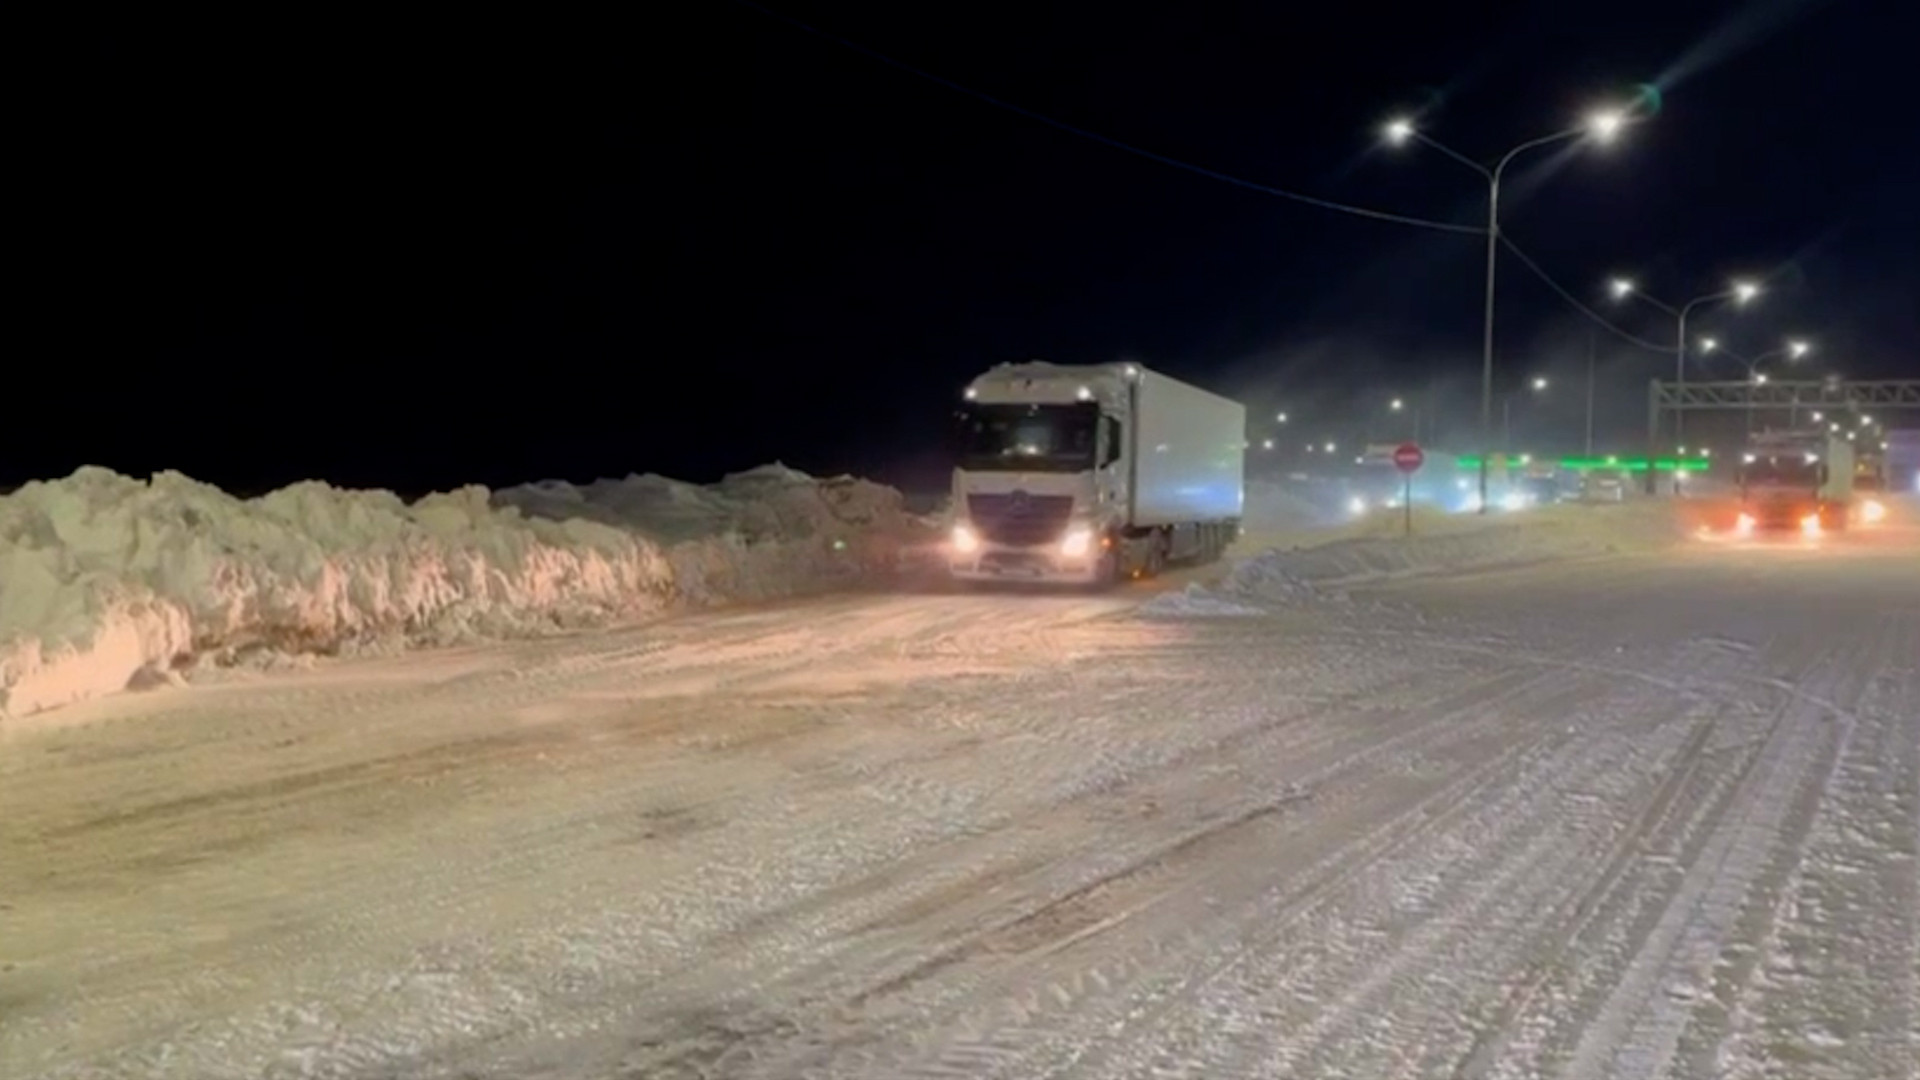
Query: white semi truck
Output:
(1092,473)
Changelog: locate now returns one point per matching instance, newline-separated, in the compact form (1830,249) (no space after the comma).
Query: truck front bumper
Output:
(1039,565)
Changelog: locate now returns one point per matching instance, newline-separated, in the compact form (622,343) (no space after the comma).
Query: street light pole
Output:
(1593,347)
(1603,126)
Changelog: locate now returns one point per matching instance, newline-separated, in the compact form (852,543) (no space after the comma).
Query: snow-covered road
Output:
(1646,816)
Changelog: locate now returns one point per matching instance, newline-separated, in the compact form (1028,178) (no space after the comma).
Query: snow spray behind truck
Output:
(1092,473)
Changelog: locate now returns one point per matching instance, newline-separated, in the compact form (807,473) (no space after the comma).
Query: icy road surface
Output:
(1648,816)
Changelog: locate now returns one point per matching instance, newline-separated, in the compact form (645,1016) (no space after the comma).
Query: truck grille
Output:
(1020,519)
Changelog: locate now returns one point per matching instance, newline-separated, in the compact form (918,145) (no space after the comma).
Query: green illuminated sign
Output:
(1582,464)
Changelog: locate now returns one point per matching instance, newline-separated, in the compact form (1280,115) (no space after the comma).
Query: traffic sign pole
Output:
(1408,457)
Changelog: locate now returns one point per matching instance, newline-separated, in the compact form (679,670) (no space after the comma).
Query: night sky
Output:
(705,238)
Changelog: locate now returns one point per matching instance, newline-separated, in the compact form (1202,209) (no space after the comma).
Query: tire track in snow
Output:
(1383,982)
(1637,1030)
(1071,1004)
(914,881)
(1831,990)
(1126,846)
(431,893)
(1555,948)
(445,890)
(1117,852)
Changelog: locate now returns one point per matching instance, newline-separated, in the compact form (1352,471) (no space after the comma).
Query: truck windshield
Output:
(1785,470)
(1029,438)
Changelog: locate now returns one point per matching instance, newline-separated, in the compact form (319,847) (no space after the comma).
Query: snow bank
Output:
(107,581)
(1440,544)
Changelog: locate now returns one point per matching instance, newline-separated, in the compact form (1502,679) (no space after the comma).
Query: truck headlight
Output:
(1356,506)
(1810,525)
(1873,512)
(1077,542)
(1513,500)
(965,540)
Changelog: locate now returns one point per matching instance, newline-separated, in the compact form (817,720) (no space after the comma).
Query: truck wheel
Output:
(1156,556)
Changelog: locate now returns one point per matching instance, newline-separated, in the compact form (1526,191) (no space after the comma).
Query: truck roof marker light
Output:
(1084,393)
(970,393)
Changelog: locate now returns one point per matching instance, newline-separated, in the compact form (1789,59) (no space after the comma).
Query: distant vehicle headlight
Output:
(1513,500)
(1357,506)
(1873,511)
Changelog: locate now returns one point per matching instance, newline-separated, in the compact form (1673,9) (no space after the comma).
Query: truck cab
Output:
(1798,481)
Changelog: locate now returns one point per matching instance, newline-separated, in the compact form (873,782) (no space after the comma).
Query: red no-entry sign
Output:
(1408,458)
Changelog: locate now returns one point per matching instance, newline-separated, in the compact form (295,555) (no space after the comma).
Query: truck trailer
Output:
(1092,474)
(1902,462)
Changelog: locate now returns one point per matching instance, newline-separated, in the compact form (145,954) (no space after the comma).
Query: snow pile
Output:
(1457,543)
(107,581)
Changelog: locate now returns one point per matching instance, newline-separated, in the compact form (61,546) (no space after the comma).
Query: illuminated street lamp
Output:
(1402,405)
(1740,292)
(1602,127)
(1792,350)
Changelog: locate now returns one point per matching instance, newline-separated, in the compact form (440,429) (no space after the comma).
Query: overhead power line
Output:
(1265,189)
(1527,261)
(1214,174)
